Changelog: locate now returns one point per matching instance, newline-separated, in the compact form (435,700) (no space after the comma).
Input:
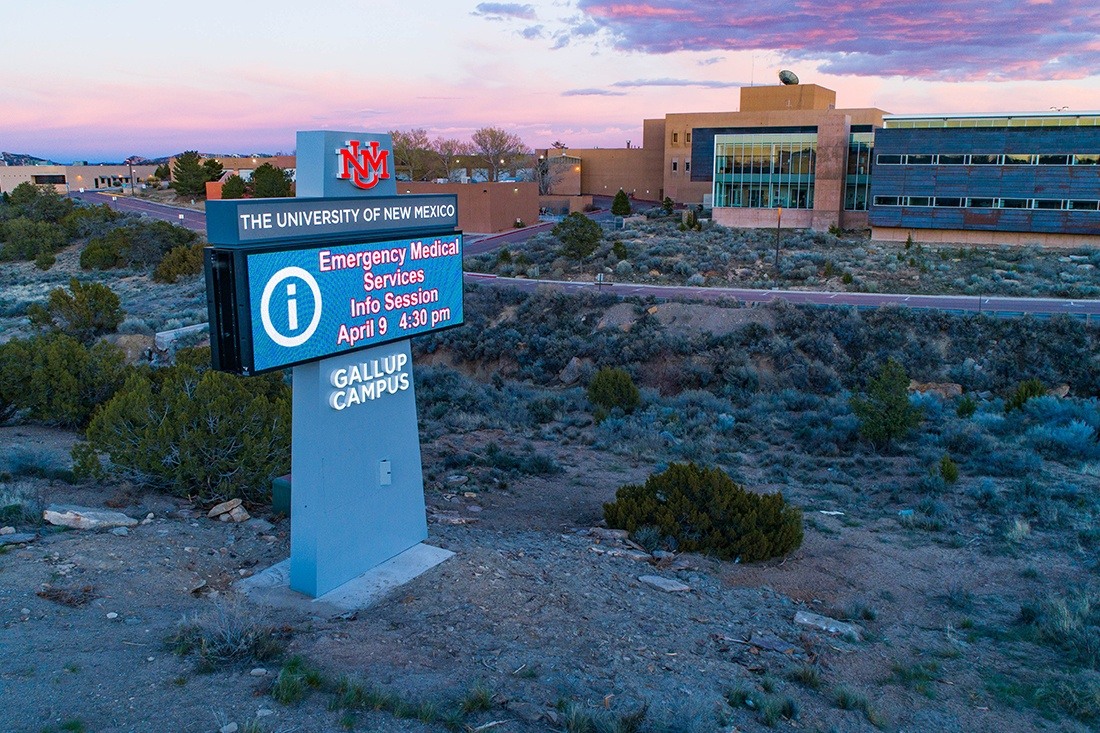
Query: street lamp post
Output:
(131,164)
(778,224)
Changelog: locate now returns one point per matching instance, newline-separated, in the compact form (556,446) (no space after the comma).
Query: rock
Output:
(258,672)
(7,530)
(826,624)
(664,555)
(264,712)
(1059,391)
(260,525)
(224,507)
(20,538)
(608,534)
(239,514)
(572,371)
(473,508)
(228,728)
(666,584)
(619,552)
(457,479)
(120,531)
(946,390)
(225,518)
(148,518)
(80,517)
(112,616)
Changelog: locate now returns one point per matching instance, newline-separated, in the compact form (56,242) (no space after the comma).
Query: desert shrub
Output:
(579,236)
(1024,392)
(225,634)
(90,221)
(137,244)
(27,239)
(949,471)
(612,388)
(57,379)
(966,406)
(86,313)
(885,413)
(103,252)
(1070,623)
(704,510)
(204,435)
(182,261)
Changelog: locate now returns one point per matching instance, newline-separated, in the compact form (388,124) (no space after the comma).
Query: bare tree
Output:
(499,149)
(447,151)
(412,154)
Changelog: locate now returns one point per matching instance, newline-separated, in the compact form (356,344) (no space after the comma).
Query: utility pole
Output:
(778,224)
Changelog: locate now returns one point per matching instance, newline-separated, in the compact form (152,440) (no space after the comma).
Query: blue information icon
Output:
(284,307)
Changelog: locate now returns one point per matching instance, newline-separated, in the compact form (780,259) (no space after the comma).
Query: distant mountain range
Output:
(23,159)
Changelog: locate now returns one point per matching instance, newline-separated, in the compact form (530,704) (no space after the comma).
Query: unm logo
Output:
(364,167)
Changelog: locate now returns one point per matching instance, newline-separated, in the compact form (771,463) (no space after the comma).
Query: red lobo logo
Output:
(364,167)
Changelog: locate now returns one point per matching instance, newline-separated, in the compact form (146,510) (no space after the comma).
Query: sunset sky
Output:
(103,80)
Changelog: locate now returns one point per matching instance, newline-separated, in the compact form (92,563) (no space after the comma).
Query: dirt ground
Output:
(547,619)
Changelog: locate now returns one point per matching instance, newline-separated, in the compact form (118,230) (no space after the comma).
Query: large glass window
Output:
(857,181)
(765,170)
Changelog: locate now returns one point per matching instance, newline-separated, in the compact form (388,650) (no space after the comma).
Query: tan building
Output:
(787,147)
(65,178)
(486,207)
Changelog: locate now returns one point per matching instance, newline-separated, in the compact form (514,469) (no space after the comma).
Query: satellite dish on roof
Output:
(788,77)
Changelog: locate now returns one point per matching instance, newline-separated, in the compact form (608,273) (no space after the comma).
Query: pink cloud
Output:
(964,39)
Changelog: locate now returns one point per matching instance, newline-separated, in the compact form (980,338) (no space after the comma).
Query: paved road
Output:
(194,220)
(1001,306)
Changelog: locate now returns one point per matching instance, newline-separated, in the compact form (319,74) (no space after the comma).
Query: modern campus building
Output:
(1026,178)
(789,157)
(65,178)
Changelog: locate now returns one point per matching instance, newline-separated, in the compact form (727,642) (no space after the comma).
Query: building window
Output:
(887,201)
(675,137)
(47,180)
(687,138)
(948,202)
(765,170)
(952,160)
(687,165)
(675,164)
(857,181)
(889,160)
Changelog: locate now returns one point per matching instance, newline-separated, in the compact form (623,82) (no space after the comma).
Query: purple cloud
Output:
(499,11)
(592,93)
(962,39)
(709,84)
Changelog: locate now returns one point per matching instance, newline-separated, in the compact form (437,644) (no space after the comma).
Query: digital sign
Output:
(247,222)
(302,304)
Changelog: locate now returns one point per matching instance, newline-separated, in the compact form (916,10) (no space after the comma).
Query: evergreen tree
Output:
(213,168)
(189,177)
(270,181)
(233,188)
(885,413)
(579,235)
(163,172)
(621,205)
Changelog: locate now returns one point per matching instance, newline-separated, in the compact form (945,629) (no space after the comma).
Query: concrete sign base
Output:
(272,586)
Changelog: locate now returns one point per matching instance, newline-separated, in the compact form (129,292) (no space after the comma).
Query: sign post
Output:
(333,283)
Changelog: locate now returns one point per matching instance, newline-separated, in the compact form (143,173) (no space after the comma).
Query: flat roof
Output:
(1051,118)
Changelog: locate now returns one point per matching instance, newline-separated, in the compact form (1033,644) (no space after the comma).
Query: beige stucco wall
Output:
(979,238)
(486,207)
(76,176)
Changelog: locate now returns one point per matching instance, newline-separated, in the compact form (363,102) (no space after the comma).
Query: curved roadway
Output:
(997,305)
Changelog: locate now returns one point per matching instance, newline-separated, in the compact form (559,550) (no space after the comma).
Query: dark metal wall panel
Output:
(987,181)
